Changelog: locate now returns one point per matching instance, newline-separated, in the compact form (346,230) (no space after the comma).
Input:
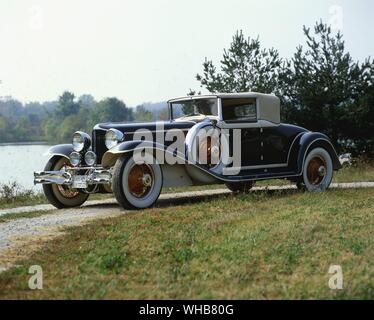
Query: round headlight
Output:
(90,158)
(81,141)
(112,137)
(75,158)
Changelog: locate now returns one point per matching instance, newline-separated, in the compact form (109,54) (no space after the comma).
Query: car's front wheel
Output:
(136,185)
(317,172)
(61,196)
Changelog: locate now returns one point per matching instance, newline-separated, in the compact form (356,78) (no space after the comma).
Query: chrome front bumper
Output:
(90,176)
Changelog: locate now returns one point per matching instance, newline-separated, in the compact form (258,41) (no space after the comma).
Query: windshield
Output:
(194,108)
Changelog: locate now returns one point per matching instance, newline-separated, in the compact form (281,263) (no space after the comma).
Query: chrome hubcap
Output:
(147,180)
(322,171)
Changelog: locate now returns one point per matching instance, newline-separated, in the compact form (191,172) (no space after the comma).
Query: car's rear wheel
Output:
(317,172)
(240,187)
(136,185)
(62,196)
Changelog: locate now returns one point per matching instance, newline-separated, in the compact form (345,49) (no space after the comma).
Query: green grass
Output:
(258,246)
(356,173)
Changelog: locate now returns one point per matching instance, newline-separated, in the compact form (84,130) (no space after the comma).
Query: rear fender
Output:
(309,141)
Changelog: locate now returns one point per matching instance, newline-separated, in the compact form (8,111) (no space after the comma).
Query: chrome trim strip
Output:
(265,166)
(219,107)
(153,131)
(249,125)
(291,146)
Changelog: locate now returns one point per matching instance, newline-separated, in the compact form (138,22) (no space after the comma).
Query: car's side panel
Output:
(276,143)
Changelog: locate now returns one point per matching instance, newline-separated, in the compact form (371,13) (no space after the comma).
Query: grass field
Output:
(258,246)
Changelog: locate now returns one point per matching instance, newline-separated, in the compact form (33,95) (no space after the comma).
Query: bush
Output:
(13,192)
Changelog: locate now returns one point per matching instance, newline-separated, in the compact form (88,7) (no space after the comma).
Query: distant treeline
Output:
(56,121)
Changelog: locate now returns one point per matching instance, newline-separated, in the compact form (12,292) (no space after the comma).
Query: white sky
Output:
(149,50)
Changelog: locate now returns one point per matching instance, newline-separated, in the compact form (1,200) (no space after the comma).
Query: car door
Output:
(240,114)
(274,145)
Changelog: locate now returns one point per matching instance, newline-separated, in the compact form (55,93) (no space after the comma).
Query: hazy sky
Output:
(150,50)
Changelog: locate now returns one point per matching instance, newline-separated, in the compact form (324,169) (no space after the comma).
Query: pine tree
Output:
(244,67)
(321,82)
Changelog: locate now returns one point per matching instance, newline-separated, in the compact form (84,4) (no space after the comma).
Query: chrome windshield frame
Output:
(181,100)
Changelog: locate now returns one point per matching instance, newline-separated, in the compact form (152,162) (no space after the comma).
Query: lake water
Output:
(18,163)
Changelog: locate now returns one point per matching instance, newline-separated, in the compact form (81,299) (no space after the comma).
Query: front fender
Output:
(111,156)
(62,150)
(311,140)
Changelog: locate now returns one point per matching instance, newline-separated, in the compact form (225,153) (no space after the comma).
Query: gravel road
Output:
(20,237)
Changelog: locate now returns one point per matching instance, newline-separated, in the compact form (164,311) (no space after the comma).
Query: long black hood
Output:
(129,128)
(152,126)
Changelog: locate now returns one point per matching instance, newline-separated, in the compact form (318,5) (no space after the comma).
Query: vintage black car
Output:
(243,142)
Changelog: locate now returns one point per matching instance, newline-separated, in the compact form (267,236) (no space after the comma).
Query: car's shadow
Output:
(195,198)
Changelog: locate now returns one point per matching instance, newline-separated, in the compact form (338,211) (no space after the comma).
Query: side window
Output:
(239,110)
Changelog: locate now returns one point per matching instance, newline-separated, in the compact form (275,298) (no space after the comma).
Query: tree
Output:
(361,133)
(86,100)
(111,109)
(244,67)
(23,129)
(66,105)
(142,114)
(164,114)
(320,83)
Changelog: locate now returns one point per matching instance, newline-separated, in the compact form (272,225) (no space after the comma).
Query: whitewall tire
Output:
(317,171)
(136,185)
